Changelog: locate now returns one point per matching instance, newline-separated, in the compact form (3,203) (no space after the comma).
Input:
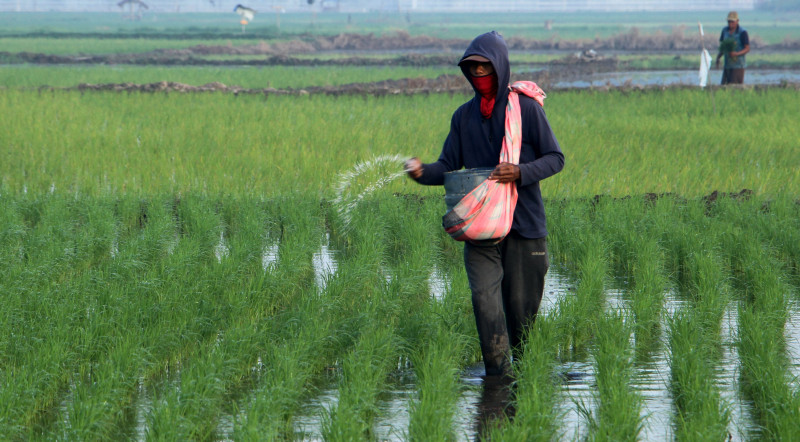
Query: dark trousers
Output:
(732,76)
(507,283)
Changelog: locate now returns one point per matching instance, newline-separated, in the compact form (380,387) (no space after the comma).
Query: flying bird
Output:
(130,3)
(133,15)
(245,12)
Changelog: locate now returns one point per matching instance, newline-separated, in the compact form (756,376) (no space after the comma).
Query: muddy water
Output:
(308,423)
(478,401)
(437,283)
(652,381)
(269,257)
(673,77)
(324,262)
(793,341)
(729,374)
(222,250)
(651,376)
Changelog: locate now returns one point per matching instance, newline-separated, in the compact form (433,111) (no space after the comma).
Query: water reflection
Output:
(672,77)
(394,418)
(437,283)
(269,257)
(579,384)
(728,373)
(221,250)
(652,378)
(496,404)
(793,342)
(324,264)
(143,407)
(487,401)
(308,423)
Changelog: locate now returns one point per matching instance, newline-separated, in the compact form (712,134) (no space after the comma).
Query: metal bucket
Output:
(461,182)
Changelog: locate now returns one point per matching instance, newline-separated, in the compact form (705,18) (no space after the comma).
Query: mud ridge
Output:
(179,58)
(680,37)
(285,52)
(407,86)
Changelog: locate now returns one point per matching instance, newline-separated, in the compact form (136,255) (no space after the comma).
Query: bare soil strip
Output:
(278,52)
(407,86)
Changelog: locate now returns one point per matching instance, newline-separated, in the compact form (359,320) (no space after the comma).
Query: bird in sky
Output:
(139,3)
(245,12)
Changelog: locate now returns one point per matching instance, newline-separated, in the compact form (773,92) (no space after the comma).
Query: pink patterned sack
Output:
(485,214)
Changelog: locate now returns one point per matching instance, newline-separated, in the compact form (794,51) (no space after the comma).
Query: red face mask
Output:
(487,88)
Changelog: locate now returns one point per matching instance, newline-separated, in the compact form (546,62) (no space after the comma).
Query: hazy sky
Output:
(361,5)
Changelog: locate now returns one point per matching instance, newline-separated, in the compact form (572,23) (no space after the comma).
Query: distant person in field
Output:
(733,70)
(506,279)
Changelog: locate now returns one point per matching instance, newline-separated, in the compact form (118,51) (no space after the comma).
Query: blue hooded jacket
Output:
(475,141)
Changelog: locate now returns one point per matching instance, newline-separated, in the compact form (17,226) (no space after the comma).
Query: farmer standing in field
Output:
(507,278)
(733,70)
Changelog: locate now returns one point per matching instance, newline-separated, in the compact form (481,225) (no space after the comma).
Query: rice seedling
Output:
(588,258)
(762,343)
(221,339)
(436,366)
(695,352)
(536,392)
(701,412)
(619,411)
(259,145)
(363,372)
(137,303)
(637,255)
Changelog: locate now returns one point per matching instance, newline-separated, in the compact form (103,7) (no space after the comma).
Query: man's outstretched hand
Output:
(413,167)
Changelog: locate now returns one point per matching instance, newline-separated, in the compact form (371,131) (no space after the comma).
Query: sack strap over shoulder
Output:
(486,213)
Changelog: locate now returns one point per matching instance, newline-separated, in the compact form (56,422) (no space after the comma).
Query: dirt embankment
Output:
(286,52)
(408,86)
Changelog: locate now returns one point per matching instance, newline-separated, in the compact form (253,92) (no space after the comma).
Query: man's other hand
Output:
(505,173)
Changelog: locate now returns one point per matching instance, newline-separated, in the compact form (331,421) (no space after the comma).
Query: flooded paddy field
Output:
(218,314)
(209,235)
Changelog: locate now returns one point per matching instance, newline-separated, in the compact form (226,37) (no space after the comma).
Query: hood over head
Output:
(491,46)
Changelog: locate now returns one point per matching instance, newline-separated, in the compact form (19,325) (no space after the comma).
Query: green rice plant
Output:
(772,222)
(64,238)
(642,121)
(619,412)
(293,356)
(568,219)
(637,256)
(695,344)
(246,77)
(364,370)
(582,310)
(765,378)
(708,292)
(701,412)
(293,345)
(762,344)
(93,46)
(647,297)
(304,328)
(436,365)
(536,392)
(727,46)
(258,145)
